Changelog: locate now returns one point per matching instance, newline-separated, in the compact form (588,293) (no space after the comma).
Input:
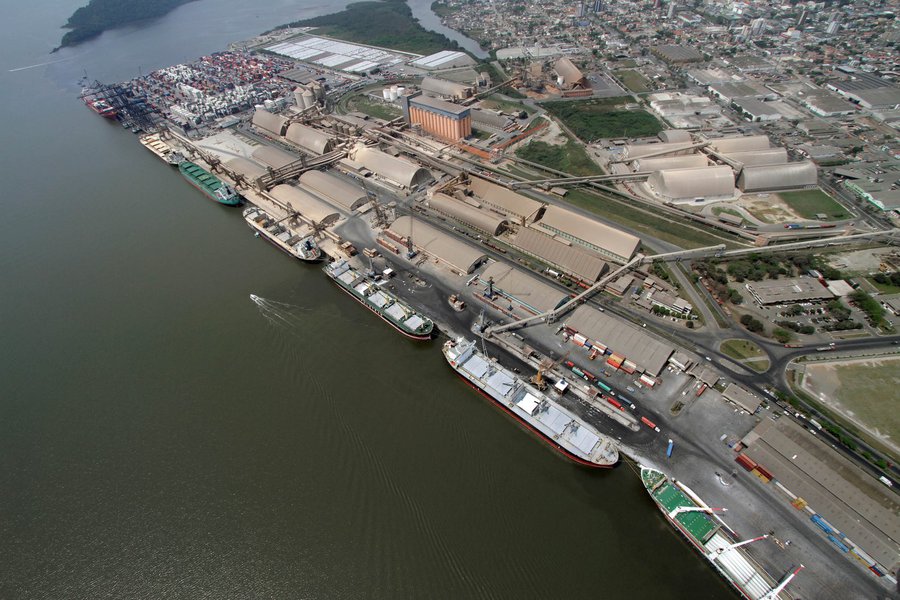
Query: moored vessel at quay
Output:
(153,142)
(367,292)
(101,107)
(301,247)
(211,186)
(556,425)
(712,538)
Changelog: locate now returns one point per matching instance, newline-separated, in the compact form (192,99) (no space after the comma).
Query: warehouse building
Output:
(444,120)
(516,292)
(520,209)
(568,76)
(269,123)
(745,143)
(399,171)
(689,161)
(441,88)
(311,140)
(788,291)
(434,243)
(756,110)
(603,239)
(771,156)
(632,348)
(566,258)
(308,205)
(488,222)
(445,59)
(788,176)
(730,91)
(826,104)
(878,194)
(693,185)
(271,156)
(334,189)
(741,397)
(245,168)
(856,511)
(676,136)
(655,150)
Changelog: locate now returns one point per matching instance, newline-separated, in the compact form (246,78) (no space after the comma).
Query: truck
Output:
(348,249)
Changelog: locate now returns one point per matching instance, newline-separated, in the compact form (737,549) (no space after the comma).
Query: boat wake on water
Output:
(279,314)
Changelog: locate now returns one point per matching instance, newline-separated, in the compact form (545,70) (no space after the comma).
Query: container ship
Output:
(154,144)
(559,427)
(300,247)
(367,292)
(211,186)
(102,108)
(711,537)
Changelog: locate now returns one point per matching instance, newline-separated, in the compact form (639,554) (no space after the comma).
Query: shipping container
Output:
(838,543)
(764,471)
(614,402)
(745,461)
(647,380)
(648,422)
(701,390)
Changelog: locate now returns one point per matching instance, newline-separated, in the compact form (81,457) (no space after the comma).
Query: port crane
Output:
(546,365)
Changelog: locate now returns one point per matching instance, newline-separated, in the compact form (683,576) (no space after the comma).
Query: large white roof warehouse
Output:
(397,170)
(505,201)
(517,286)
(740,143)
(309,139)
(692,184)
(571,226)
(269,122)
(570,259)
(305,203)
(482,220)
(788,176)
(624,339)
(336,190)
(457,254)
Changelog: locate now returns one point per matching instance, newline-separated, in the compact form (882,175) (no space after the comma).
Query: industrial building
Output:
(854,511)
(517,292)
(741,397)
(788,176)
(442,247)
(306,204)
(633,349)
(693,185)
(245,168)
(309,139)
(788,291)
(571,260)
(445,59)
(757,110)
(688,161)
(568,76)
(271,156)
(745,143)
(867,90)
(441,88)
(444,120)
(676,136)
(603,239)
(660,149)
(342,193)
(269,123)
(772,156)
(399,171)
(826,104)
(488,222)
(732,91)
(520,209)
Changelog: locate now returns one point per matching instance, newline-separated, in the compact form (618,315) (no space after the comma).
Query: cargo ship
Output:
(213,187)
(154,144)
(367,292)
(556,425)
(102,108)
(710,536)
(300,247)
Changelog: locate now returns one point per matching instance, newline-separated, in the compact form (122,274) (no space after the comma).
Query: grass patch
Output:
(634,81)
(660,227)
(718,210)
(760,365)
(370,107)
(388,23)
(741,349)
(600,118)
(884,288)
(497,102)
(570,158)
(809,203)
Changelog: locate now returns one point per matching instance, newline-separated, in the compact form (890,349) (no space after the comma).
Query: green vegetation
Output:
(809,203)
(598,118)
(99,15)
(389,24)
(498,102)
(783,336)
(570,158)
(631,216)
(634,81)
(370,107)
(793,326)
(869,305)
(752,324)
(741,349)
(443,10)
(886,283)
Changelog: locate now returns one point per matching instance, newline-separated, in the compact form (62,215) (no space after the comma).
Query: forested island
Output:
(99,15)
(388,23)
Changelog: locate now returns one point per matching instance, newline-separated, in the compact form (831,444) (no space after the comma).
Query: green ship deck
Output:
(699,525)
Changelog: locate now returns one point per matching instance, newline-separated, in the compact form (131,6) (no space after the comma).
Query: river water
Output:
(162,435)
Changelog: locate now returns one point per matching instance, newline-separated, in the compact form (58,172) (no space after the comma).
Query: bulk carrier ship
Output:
(384,304)
(557,426)
(711,537)
(301,247)
(211,186)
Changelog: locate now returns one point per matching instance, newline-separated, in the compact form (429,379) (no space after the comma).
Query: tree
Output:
(782,335)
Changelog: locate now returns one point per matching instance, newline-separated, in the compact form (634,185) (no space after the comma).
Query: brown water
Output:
(163,436)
